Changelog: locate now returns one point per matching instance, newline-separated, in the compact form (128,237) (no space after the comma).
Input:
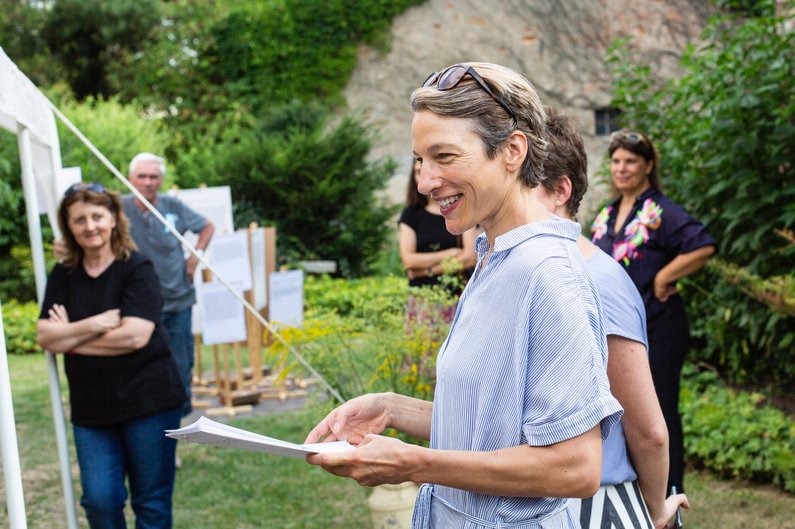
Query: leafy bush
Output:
(356,335)
(748,342)
(19,324)
(268,52)
(726,134)
(354,297)
(87,36)
(736,434)
(308,175)
(119,131)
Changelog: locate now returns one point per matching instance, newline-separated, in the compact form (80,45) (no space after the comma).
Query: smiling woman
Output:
(102,308)
(521,391)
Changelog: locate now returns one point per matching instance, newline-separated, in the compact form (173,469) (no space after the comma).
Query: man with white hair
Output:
(164,250)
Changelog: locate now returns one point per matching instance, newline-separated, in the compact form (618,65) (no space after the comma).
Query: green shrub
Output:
(747,341)
(356,335)
(19,325)
(356,297)
(268,52)
(307,173)
(735,433)
(119,131)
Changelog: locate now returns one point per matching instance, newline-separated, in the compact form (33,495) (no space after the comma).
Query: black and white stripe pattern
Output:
(613,507)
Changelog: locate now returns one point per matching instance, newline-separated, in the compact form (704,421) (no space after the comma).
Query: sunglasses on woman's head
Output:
(632,138)
(83,186)
(449,78)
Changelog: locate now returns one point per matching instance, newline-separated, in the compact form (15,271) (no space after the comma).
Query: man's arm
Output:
(205,235)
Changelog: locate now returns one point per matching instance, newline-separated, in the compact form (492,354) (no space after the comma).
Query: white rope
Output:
(192,250)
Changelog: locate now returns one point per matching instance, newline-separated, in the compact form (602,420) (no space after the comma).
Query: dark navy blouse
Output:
(651,237)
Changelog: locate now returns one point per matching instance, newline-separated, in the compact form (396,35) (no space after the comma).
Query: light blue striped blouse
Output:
(524,363)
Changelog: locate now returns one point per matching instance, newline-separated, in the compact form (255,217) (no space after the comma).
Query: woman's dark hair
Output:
(121,243)
(637,143)
(414,199)
(566,157)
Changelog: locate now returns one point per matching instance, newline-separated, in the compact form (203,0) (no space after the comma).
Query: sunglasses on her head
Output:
(632,138)
(84,186)
(449,78)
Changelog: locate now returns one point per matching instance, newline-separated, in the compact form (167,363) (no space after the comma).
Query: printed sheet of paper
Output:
(229,258)
(207,431)
(287,298)
(223,319)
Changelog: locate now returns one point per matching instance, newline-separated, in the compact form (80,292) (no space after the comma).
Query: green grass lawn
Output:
(237,489)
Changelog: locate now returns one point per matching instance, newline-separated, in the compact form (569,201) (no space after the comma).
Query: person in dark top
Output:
(425,243)
(102,310)
(658,243)
(428,250)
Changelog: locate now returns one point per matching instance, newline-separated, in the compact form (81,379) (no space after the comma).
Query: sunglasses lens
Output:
(451,77)
(80,186)
(430,80)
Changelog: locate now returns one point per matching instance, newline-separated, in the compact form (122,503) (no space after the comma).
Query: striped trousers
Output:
(613,507)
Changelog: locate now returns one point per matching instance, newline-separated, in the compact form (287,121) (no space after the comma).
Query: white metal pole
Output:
(12,475)
(40,272)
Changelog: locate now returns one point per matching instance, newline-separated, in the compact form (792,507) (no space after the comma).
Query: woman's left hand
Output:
(377,460)
(664,290)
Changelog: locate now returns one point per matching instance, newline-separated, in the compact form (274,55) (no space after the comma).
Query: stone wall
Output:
(561,46)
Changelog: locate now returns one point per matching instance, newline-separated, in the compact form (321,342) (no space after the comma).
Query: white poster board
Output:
(223,319)
(214,203)
(287,298)
(228,254)
(259,283)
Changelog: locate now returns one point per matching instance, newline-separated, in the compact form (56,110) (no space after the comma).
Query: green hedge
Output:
(19,325)
(736,433)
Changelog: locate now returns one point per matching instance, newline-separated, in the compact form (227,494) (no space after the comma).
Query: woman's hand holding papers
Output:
(376,461)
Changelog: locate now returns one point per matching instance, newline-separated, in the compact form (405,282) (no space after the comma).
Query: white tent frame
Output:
(24,110)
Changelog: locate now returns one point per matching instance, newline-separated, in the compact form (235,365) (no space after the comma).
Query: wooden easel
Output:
(236,387)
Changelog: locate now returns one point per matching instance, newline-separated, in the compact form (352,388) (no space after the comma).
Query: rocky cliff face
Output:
(561,45)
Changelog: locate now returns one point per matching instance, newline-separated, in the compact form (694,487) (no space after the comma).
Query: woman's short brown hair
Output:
(491,122)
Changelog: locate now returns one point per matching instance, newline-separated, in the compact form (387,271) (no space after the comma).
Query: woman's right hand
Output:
(106,321)
(353,420)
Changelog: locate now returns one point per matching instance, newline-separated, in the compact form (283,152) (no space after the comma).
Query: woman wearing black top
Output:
(102,309)
(658,243)
(425,243)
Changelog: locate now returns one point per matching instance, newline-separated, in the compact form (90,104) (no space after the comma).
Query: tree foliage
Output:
(87,36)
(119,131)
(306,173)
(726,133)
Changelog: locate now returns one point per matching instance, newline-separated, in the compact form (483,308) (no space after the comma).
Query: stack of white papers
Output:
(207,431)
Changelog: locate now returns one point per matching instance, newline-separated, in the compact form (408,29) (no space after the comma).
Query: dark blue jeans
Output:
(137,449)
(178,325)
